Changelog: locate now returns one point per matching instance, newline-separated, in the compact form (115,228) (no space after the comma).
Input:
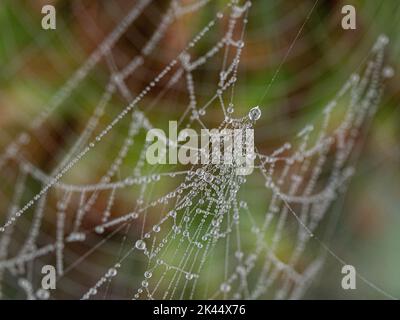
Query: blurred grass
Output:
(34,63)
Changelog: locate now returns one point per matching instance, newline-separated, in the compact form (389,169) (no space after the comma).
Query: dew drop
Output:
(112,272)
(43,294)
(383,39)
(99,229)
(225,287)
(189,276)
(140,244)
(93,291)
(239,254)
(172,214)
(388,72)
(255,113)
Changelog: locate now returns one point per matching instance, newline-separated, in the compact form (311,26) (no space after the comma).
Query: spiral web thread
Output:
(201,239)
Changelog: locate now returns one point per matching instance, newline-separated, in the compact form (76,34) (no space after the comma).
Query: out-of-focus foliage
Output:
(34,63)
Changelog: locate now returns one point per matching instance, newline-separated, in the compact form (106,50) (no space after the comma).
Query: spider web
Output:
(124,236)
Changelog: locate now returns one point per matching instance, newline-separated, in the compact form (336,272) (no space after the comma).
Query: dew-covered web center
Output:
(189,231)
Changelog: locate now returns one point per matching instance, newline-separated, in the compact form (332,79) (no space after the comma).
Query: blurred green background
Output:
(34,63)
